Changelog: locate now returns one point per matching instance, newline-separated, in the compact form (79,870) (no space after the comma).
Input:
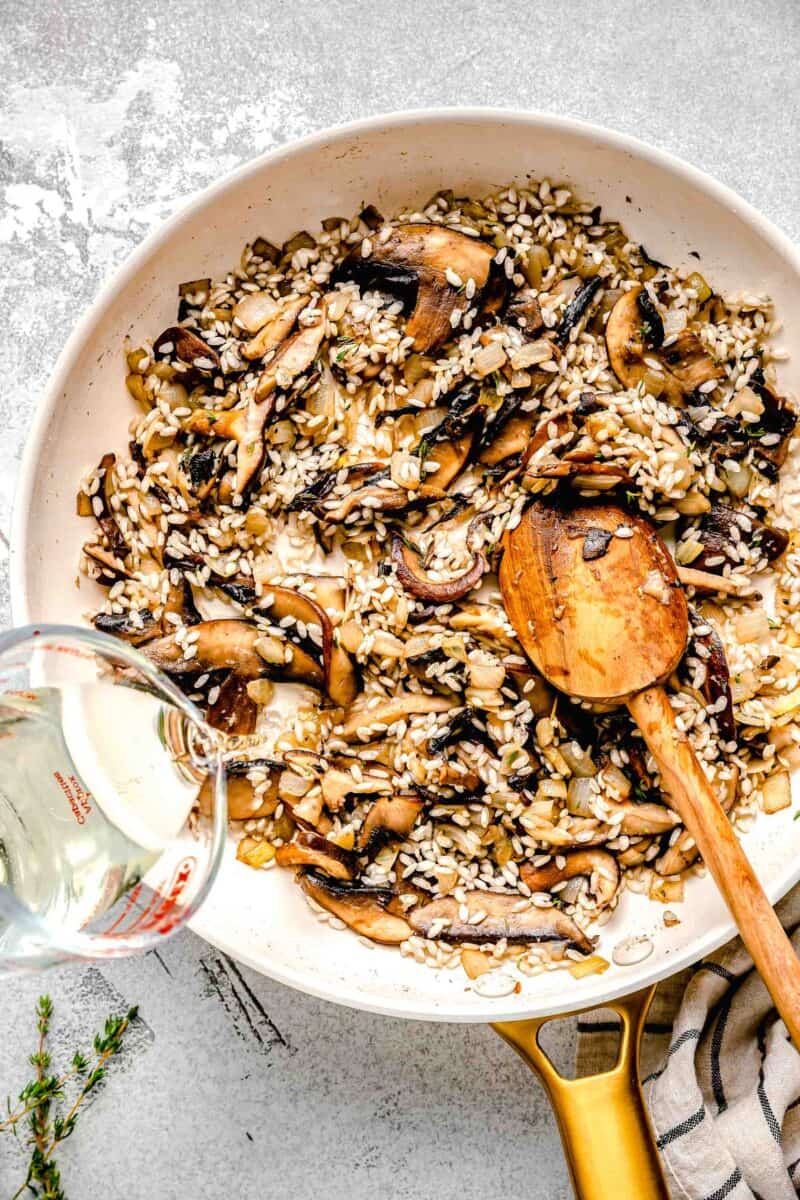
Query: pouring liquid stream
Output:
(89,799)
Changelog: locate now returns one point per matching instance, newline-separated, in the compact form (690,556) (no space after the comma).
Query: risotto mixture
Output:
(325,452)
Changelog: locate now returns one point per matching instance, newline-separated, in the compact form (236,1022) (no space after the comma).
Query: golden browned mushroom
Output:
(291,359)
(270,335)
(238,645)
(391,818)
(366,718)
(363,909)
(599,867)
(420,256)
(505,916)
(244,803)
(634,333)
(309,849)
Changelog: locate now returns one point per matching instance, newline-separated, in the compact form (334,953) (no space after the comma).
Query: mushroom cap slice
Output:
(274,331)
(414,580)
(391,818)
(292,358)
(505,918)
(423,252)
(363,909)
(598,866)
(361,720)
(223,643)
(309,849)
(244,803)
(674,371)
(233,712)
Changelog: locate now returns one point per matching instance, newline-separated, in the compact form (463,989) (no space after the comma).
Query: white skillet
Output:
(391,161)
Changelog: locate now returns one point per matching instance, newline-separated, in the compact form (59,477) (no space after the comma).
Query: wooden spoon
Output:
(595,599)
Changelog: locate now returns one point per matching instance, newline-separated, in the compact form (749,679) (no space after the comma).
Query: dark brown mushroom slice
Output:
(577,308)
(244,803)
(364,909)
(525,311)
(463,725)
(717,684)
(233,712)
(280,603)
(188,348)
(508,433)
(124,626)
(310,849)
(414,580)
(529,926)
(412,264)
(201,468)
(720,544)
(634,337)
(598,866)
(450,443)
(425,665)
(777,419)
(105,518)
(390,819)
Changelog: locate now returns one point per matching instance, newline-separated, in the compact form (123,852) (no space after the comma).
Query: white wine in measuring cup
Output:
(90,797)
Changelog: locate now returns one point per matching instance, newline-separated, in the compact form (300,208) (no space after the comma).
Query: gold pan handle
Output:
(605,1130)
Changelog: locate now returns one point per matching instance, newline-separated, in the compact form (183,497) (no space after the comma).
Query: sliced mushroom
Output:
(244,802)
(338,784)
(291,359)
(391,818)
(414,580)
(186,346)
(720,535)
(233,711)
(105,517)
(370,717)
(717,683)
(112,568)
(413,262)
(577,307)
(309,849)
(506,917)
(486,621)
(463,725)
(525,311)
(135,628)
(777,419)
(598,866)
(705,581)
(508,434)
(276,330)
(238,645)
(450,443)
(363,909)
(632,336)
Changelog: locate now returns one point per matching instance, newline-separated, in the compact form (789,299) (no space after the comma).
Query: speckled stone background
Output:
(110,115)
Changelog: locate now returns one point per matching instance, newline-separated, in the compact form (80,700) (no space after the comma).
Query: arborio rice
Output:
(305,527)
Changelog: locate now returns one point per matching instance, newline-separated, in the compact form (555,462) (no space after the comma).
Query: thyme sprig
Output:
(37,1101)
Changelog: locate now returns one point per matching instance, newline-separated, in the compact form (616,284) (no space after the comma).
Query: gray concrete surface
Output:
(110,113)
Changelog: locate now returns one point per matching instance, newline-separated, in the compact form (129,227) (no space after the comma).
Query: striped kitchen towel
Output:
(721,1078)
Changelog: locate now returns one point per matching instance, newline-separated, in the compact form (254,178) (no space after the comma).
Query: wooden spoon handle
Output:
(693,799)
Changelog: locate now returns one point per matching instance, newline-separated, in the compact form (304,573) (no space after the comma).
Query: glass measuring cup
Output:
(102,852)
